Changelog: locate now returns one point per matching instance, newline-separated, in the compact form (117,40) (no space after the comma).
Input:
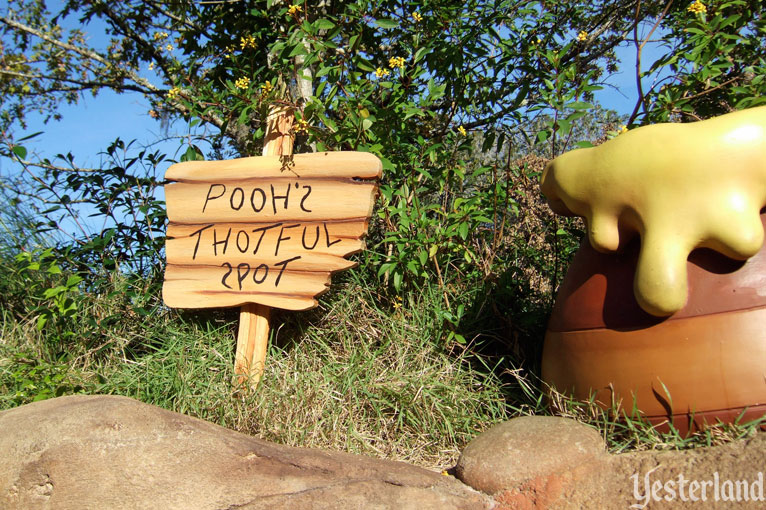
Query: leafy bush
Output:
(24,378)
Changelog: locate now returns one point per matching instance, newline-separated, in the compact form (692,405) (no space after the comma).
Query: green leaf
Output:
(364,65)
(55,291)
(299,49)
(29,137)
(20,151)
(458,338)
(387,23)
(580,105)
(41,322)
(463,230)
(323,71)
(352,42)
(324,24)
(73,280)
(192,154)
(398,280)
(327,121)
(419,55)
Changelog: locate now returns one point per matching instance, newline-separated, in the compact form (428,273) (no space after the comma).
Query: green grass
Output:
(362,373)
(348,376)
(624,429)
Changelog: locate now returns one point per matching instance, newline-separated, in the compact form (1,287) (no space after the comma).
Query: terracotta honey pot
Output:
(664,305)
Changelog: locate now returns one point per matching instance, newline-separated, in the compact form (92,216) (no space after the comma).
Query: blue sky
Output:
(90,126)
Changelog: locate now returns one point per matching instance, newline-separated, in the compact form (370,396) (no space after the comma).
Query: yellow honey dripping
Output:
(677,186)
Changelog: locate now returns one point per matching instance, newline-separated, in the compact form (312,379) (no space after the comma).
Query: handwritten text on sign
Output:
(264,230)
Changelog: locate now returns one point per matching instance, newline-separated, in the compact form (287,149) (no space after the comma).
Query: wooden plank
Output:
(336,229)
(360,165)
(269,200)
(317,242)
(179,294)
(234,285)
(280,278)
(252,344)
(178,254)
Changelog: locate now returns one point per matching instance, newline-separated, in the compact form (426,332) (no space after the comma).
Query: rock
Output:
(654,479)
(108,452)
(527,449)
(546,463)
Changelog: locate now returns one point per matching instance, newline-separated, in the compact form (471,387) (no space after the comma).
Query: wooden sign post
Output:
(264,232)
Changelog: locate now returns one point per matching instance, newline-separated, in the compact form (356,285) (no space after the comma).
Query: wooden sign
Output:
(268,230)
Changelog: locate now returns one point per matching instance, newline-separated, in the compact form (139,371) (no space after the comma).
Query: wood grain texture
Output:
(203,286)
(339,229)
(266,230)
(262,200)
(322,246)
(252,344)
(254,318)
(352,165)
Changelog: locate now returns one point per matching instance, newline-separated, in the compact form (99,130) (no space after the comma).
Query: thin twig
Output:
(642,98)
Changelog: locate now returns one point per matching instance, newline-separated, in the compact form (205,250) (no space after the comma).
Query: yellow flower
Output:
(151,66)
(247,41)
(159,36)
(416,16)
(396,62)
(169,47)
(461,130)
(294,9)
(266,88)
(301,126)
(242,83)
(174,93)
(697,7)
(582,36)
(381,72)
(623,129)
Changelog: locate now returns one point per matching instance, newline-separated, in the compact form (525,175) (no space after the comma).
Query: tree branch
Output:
(642,98)
(141,84)
(89,54)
